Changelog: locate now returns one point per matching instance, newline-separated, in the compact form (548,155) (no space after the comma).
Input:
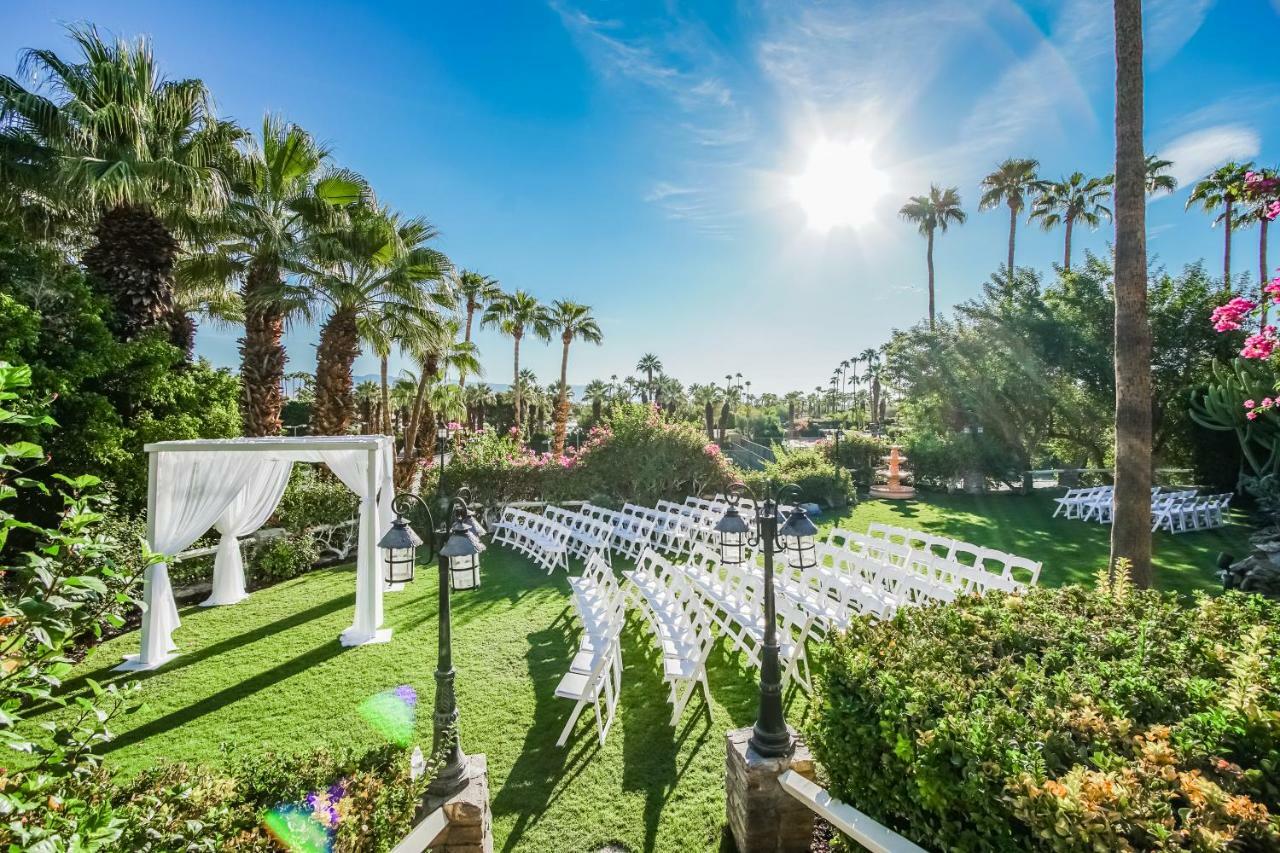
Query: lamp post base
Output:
(761,815)
(470,825)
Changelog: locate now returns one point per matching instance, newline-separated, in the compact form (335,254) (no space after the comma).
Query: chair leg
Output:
(573,718)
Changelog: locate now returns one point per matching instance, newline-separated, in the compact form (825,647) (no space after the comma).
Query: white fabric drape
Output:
(249,511)
(192,490)
(236,487)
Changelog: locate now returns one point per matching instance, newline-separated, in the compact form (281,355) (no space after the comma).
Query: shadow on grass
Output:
(105,675)
(543,770)
(651,746)
(223,698)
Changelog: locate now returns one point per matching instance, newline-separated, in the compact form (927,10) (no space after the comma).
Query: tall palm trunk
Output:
(929,254)
(515,383)
(1131,529)
(419,415)
(471,312)
(1262,267)
(385,392)
(1066,252)
(562,399)
(131,262)
(336,353)
(1226,242)
(262,356)
(1013,234)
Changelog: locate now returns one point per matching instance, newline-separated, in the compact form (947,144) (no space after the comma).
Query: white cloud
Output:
(1169,24)
(1194,154)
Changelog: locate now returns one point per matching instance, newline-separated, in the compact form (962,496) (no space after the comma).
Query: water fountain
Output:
(893,488)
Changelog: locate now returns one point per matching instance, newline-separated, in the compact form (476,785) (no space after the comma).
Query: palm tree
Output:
(283,192)
(139,155)
(573,321)
(367,396)
(1157,178)
(1131,529)
(706,396)
(514,314)
(435,351)
(597,392)
(477,399)
(1260,202)
(1220,189)
(477,292)
(1070,200)
(649,364)
(360,271)
(933,212)
(1012,183)
(398,325)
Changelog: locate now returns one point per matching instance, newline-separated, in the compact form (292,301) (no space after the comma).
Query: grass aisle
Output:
(269,674)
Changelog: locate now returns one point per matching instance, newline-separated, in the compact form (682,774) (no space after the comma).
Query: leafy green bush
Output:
(633,455)
(344,801)
(284,557)
(68,586)
(819,480)
(860,453)
(1063,719)
(639,456)
(314,496)
(108,397)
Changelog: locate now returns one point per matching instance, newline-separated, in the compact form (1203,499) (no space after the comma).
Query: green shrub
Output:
(819,480)
(860,453)
(284,557)
(314,496)
(637,455)
(633,455)
(347,801)
(1064,719)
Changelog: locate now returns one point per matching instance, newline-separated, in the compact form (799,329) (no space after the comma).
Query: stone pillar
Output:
(762,816)
(470,828)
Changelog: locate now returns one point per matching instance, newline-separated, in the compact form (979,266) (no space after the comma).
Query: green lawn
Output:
(269,674)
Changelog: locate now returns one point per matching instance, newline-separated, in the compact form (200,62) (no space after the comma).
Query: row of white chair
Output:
(587,536)
(595,673)
(538,537)
(1178,513)
(958,551)
(734,596)
(680,624)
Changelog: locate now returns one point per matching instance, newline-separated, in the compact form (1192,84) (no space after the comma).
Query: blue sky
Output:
(641,157)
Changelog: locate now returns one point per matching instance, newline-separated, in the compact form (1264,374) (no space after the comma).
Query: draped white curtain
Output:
(249,511)
(192,491)
(236,491)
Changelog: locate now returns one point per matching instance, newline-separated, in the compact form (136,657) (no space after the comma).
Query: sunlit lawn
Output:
(269,674)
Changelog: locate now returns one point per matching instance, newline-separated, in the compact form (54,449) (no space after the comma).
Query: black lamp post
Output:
(769,737)
(457,549)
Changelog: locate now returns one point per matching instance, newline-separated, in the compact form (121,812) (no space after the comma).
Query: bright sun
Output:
(839,187)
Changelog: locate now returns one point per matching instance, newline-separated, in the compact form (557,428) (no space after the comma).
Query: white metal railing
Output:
(261,535)
(844,817)
(423,834)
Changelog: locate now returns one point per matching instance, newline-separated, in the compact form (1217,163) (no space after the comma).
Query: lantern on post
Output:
(400,547)
(800,536)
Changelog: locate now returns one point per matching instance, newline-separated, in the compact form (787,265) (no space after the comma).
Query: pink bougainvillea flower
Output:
(1261,345)
(1229,317)
(711,449)
(1249,404)
(1253,416)
(1272,210)
(1267,402)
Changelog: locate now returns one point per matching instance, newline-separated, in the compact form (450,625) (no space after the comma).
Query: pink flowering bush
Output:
(1260,345)
(634,455)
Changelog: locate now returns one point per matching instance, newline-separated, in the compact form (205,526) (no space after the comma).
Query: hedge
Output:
(1063,719)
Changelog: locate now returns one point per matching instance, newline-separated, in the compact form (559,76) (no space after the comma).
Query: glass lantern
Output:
(461,555)
(800,535)
(400,548)
(734,537)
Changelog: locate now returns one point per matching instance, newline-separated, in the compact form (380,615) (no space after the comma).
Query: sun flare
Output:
(840,185)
